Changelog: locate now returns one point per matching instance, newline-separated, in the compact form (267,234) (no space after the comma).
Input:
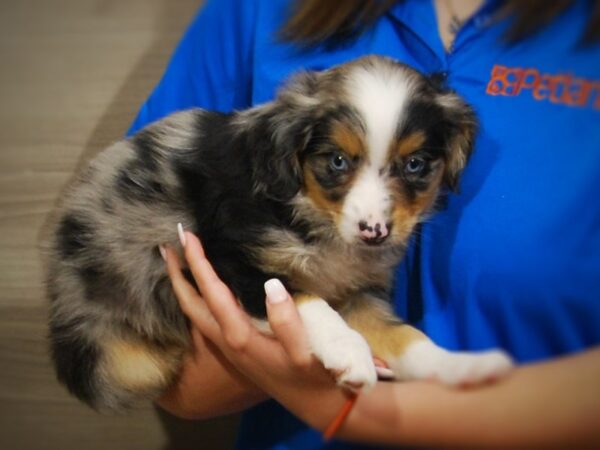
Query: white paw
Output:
(348,356)
(423,360)
(472,368)
(341,349)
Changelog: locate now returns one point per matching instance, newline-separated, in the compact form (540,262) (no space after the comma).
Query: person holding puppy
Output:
(512,261)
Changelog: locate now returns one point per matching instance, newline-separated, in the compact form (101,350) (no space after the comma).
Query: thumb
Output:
(287,324)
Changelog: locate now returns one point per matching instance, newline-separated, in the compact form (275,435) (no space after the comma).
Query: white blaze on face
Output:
(380,95)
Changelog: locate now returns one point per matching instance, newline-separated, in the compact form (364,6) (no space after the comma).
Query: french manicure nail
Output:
(275,291)
(163,252)
(384,372)
(181,234)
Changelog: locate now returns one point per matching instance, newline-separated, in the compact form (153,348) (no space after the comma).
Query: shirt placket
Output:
(416,23)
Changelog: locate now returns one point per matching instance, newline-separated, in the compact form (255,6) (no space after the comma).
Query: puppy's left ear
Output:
(461,127)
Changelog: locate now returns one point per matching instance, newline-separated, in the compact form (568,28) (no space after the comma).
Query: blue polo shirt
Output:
(513,261)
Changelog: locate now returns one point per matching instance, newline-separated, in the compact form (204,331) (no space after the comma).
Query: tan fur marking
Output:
(139,366)
(406,215)
(386,335)
(348,140)
(403,222)
(411,143)
(303,298)
(315,193)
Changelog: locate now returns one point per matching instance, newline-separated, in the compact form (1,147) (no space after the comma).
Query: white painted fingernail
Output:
(275,291)
(181,234)
(163,252)
(384,373)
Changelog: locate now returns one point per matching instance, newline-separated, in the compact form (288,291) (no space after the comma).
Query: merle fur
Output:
(234,179)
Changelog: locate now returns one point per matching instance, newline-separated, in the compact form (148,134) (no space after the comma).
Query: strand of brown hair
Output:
(333,22)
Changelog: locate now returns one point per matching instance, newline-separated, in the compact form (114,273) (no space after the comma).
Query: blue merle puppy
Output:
(321,188)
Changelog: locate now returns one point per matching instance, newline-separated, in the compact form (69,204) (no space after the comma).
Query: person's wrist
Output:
(338,421)
(172,402)
(316,406)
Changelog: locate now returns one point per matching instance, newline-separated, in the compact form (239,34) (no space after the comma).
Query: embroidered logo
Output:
(564,89)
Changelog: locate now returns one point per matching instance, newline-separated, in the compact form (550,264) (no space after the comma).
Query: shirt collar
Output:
(419,17)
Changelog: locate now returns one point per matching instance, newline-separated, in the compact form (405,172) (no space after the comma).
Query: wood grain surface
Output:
(73,74)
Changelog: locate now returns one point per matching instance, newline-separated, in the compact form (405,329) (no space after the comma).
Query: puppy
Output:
(320,188)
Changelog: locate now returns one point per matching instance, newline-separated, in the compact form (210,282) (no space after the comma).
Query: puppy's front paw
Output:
(341,349)
(348,356)
(473,368)
(424,360)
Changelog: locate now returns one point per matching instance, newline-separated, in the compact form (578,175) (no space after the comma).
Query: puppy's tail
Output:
(111,375)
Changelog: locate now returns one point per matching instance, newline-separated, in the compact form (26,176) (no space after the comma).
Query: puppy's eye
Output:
(415,166)
(338,162)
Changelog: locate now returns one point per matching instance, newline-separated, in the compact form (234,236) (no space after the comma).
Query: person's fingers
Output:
(287,324)
(190,301)
(383,369)
(199,341)
(233,321)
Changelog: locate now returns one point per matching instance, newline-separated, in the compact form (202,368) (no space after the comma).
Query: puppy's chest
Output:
(331,271)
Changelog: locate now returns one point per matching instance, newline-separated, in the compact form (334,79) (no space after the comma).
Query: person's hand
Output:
(281,365)
(560,394)
(208,384)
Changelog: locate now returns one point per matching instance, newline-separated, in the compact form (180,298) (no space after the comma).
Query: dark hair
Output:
(333,23)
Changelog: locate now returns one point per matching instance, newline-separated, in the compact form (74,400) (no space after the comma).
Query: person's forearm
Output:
(556,404)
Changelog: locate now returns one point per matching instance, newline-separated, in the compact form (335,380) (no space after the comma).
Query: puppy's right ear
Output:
(282,130)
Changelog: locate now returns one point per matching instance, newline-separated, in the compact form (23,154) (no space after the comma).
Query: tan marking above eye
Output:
(347,140)
(409,144)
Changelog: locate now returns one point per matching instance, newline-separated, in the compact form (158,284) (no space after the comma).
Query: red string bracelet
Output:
(338,420)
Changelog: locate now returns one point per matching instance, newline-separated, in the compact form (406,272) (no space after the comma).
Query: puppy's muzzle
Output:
(374,233)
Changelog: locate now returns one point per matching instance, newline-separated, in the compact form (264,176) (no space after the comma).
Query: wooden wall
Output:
(73,74)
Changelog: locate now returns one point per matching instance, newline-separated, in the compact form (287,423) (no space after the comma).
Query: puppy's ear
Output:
(281,133)
(461,127)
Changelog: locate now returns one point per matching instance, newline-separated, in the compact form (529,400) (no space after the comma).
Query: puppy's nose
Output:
(373,232)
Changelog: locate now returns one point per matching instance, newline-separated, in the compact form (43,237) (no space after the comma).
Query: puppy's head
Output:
(364,147)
